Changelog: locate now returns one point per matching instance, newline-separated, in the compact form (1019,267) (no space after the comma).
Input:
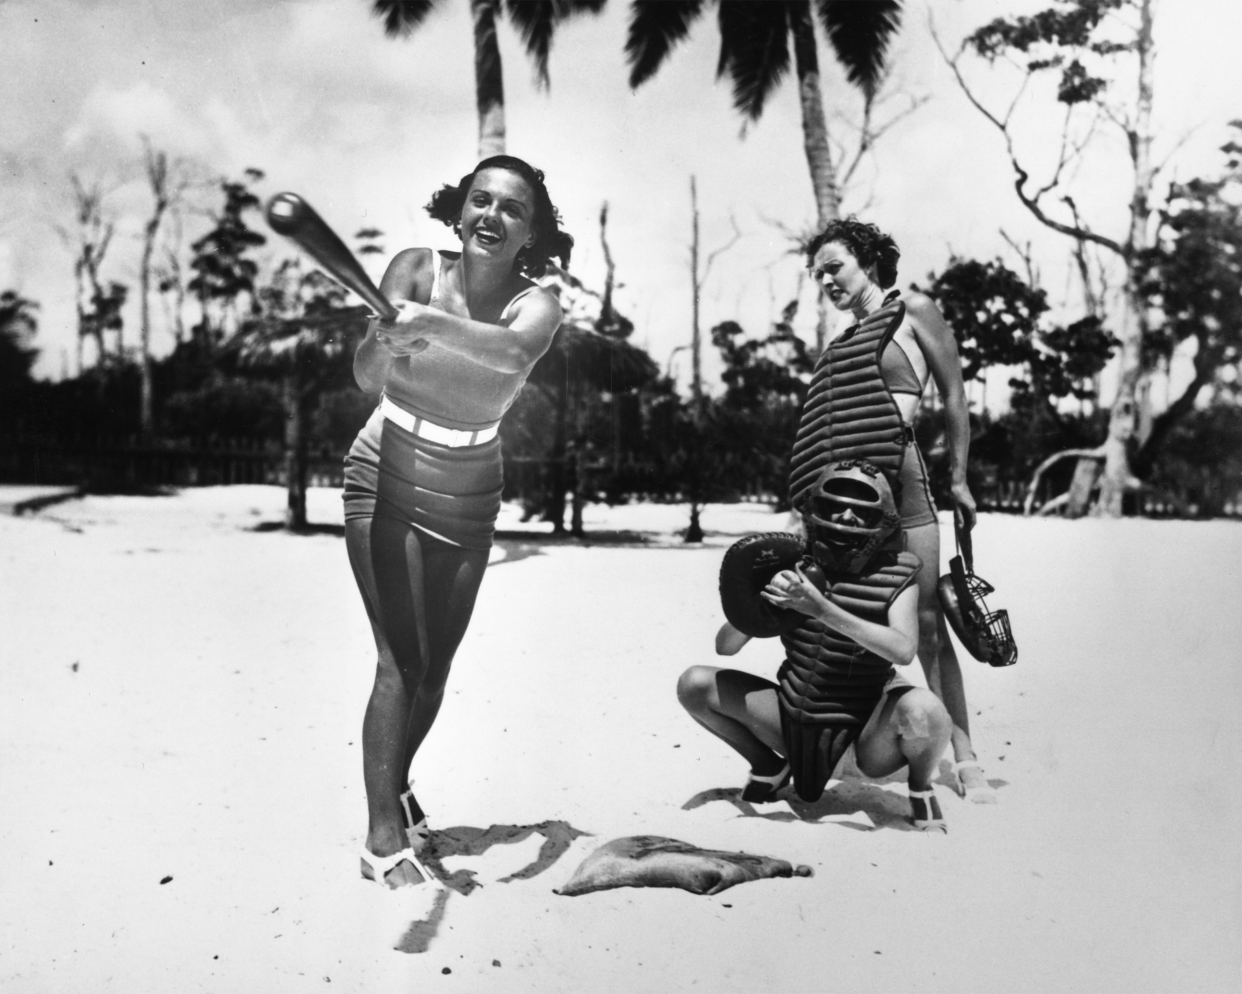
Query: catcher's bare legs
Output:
(910,728)
(937,655)
(419,595)
(738,708)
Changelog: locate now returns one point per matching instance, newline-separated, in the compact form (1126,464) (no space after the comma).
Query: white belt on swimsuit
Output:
(454,438)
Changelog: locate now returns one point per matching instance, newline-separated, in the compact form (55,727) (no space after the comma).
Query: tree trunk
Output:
(814,123)
(695,532)
(575,489)
(295,453)
(815,140)
(1128,421)
(696,378)
(555,512)
(1086,473)
(488,80)
(157,176)
(145,418)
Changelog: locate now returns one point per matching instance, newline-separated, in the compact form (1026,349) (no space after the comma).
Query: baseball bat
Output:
(291,216)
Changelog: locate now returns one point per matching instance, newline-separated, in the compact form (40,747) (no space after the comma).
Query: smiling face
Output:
(848,285)
(498,217)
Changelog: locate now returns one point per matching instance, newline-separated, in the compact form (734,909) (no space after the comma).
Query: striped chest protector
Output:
(850,412)
(829,684)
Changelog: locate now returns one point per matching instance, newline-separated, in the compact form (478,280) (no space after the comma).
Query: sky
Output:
(366,128)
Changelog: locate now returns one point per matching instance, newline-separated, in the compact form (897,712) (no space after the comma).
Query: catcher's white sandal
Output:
(759,790)
(925,809)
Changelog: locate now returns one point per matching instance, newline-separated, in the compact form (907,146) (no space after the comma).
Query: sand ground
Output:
(181,697)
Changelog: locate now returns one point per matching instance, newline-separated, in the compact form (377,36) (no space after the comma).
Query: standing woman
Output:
(423,479)
(856,264)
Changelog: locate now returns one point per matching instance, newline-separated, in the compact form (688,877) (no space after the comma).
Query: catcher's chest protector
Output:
(829,684)
(849,411)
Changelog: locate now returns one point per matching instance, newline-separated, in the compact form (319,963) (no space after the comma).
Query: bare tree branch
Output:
(1022,176)
(707,264)
(1032,275)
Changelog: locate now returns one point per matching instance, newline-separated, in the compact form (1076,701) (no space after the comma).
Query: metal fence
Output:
(103,463)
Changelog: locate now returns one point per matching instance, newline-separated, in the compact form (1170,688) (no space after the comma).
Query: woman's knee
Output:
(921,716)
(388,674)
(696,687)
(399,661)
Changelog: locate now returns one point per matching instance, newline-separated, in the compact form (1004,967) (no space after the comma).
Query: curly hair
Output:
(550,241)
(867,243)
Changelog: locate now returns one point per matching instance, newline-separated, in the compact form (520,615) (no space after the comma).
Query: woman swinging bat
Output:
(423,478)
(848,617)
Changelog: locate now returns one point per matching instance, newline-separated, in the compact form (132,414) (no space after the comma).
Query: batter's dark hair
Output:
(867,243)
(550,241)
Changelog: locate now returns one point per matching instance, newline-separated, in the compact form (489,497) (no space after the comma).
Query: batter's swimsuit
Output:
(449,492)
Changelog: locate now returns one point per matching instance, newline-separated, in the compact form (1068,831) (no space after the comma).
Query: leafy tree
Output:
(305,337)
(997,319)
(105,314)
(587,378)
(765,386)
(754,53)
(18,325)
(993,312)
(1200,461)
(223,271)
(1088,45)
(167,187)
(225,407)
(536,21)
(1192,277)
(97,308)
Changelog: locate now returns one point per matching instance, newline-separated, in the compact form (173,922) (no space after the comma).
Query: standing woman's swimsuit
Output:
(897,367)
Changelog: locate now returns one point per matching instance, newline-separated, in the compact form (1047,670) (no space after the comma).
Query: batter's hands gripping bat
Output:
(293,217)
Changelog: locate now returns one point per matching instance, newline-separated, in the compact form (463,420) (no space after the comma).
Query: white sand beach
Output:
(181,698)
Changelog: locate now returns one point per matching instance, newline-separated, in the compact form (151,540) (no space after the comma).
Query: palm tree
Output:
(536,21)
(754,54)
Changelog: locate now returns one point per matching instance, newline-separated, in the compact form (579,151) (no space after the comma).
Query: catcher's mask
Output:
(848,514)
(985,634)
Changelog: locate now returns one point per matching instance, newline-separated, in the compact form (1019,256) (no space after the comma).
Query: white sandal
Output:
(925,810)
(381,866)
(760,790)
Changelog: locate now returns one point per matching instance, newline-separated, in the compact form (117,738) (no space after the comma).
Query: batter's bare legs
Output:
(419,595)
(939,659)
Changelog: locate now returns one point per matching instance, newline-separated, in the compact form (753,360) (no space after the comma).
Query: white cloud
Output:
(119,118)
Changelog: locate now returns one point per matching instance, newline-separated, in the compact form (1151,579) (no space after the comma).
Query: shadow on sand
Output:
(847,797)
(279,526)
(462,840)
(850,794)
